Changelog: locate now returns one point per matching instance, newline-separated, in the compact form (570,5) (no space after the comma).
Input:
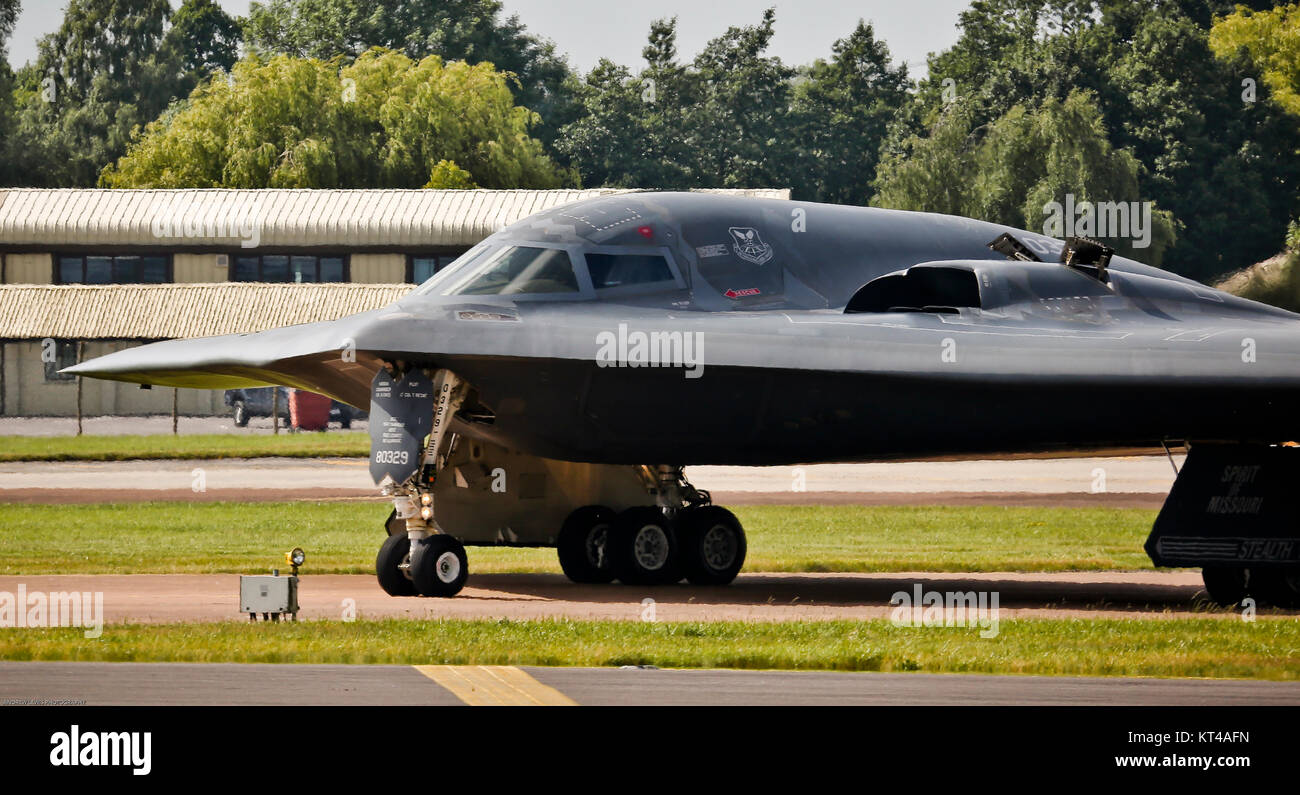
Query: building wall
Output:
(200,268)
(203,268)
(28,394)
(378,268)
(29,269)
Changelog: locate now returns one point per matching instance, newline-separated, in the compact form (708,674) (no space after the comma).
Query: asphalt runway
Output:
(114,684)
(158,598)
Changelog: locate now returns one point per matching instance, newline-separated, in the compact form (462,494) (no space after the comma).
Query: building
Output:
(87,272)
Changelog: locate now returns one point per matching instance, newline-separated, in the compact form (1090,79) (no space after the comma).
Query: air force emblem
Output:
(747,244)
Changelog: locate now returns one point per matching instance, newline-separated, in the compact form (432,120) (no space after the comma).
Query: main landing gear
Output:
(1272,586)
(684,536)
(654,544)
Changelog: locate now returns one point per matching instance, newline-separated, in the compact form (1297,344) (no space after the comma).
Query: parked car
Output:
(248,403)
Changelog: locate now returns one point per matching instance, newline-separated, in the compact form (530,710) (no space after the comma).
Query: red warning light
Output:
(645,232)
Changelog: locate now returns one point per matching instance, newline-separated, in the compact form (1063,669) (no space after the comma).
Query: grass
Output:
(340,444)
(1274,281)
(342,538)
(1183,647)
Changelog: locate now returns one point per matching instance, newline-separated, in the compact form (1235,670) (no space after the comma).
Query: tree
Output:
(842,111)
(722,121)
(1010,171)
(743,119)
(8,16)
(1226,168)
(110,68)
(1272,40)
(1223,167)
(468,30)
(636,131)
(382,121)
(1269,40)
(206,37)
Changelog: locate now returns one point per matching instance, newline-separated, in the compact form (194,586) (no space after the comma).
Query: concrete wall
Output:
(28,394)
(29,269)
(378,268)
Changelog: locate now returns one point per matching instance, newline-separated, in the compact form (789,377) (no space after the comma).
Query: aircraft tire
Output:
(392,579)
(712,545)
(439,566)
(1277,587)
(642,548)
(582,544)
(1226,585)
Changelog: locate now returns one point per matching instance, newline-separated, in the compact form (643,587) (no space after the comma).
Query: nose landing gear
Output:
(404,406)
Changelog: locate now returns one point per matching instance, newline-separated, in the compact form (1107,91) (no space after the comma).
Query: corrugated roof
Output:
(167,311)
(279,217)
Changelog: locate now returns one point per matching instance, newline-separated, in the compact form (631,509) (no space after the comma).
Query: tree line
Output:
(1189,108)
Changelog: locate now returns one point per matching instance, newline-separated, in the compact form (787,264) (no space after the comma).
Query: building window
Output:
(112,269)
(419,267)
(289,268)
(58,354)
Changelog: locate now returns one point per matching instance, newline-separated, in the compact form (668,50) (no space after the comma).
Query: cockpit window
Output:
(454,270)
(621,270)
(925,289)
(519,270)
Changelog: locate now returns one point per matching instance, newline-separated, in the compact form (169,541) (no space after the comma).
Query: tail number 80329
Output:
(392,457)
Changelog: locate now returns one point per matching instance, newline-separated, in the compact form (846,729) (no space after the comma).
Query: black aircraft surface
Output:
(549,387)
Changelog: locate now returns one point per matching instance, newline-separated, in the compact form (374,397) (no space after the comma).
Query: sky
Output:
(587,30)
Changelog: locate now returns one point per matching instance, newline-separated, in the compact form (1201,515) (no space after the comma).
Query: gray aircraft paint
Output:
(1052,357)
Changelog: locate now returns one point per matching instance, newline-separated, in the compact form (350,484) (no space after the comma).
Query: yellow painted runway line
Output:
(495,686)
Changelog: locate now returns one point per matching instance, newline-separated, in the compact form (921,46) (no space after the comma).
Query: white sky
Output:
(587,30)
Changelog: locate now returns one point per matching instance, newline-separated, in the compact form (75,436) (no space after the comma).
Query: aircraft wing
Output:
(320,357)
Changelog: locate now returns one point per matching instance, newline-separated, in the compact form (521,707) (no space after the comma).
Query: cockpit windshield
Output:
(516,270)
(494,268)
(454,270)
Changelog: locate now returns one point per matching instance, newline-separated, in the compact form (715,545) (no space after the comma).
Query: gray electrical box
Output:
(269,595)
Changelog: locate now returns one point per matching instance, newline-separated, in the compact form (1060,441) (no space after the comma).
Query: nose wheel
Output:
(438,566)
(392,566)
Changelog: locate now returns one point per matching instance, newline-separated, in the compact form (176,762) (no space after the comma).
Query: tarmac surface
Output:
(92,684)
(1117,481)
(155,598)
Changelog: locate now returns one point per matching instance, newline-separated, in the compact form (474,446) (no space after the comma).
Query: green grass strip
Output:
(342,538)
(341,444)
(1228,647)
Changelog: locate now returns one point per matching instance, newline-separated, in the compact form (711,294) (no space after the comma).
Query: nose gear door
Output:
(401,415)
